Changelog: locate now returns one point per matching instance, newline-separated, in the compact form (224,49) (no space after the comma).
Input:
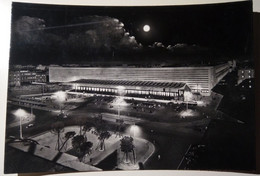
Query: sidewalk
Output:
(63,159)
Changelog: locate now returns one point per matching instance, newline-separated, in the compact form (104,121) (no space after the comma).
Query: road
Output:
(170,134)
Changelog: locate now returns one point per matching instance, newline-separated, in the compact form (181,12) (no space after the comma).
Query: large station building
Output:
(169,82)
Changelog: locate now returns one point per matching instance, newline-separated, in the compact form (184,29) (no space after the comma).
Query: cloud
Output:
(31,31)
(157,45)
(84,38)
(103,33)
(28,30)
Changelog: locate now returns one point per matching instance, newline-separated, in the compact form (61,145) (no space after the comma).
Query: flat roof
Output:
(175,85)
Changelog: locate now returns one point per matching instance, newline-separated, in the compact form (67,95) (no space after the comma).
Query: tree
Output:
(127,147)
(77,141)
(86,128)
(119,128)
(102,136)
(81,122)
(81,146)
(57,128)
(67,136)
(101,131)
(85,148)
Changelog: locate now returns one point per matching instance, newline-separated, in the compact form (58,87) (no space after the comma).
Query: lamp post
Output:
(21,129)
(187,97)
(60,98)
(118,113)
(20,113)
(133,128)
(121,92)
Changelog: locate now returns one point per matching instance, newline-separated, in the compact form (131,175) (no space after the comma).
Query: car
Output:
(30,125)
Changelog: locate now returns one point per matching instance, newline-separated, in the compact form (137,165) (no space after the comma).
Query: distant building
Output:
(41,67)
(41,77)
(198,79)
(14,78)
(27,76)
(132,88)
(247,85)
(245,73)
(17,78)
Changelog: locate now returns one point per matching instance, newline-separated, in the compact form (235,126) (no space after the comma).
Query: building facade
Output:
(198,79)
(17,78)
(145,89)
(245,73)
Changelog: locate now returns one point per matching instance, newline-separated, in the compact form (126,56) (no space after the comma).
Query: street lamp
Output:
(121,92)
(76,86)
(187,97)
(60,97)
(20,113)
(133,128)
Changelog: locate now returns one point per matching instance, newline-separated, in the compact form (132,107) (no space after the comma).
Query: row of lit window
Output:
(28,77)
(249,76)
(16,79)
(248,86)
(140,92)
(249,71)
(200,90)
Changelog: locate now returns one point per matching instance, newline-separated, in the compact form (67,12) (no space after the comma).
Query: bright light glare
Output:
(201,103)
(121,90)
(120,87)
(119,101)
(135,130)
(146,28)
(187,96)
(20,113)
(187,113)
(59,96)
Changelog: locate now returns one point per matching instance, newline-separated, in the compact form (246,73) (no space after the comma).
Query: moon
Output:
(146,28)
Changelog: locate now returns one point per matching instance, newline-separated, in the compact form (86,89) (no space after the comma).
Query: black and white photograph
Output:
(112,88)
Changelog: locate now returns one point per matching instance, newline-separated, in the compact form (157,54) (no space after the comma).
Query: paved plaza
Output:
(47,143)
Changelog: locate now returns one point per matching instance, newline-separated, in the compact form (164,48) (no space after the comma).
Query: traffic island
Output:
(132,159)
(45,145)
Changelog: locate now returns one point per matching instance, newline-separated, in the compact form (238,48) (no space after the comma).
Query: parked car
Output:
(30,125)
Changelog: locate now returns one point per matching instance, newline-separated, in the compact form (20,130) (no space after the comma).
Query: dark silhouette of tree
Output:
(81,146)
(101,131)
(81,122)
(77,141)
(67,136)
(127,147)
(57,128)
(102,137)
(86,128)
(85,148)
(119,128)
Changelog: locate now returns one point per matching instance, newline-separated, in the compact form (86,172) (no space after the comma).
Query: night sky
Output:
(48,34)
